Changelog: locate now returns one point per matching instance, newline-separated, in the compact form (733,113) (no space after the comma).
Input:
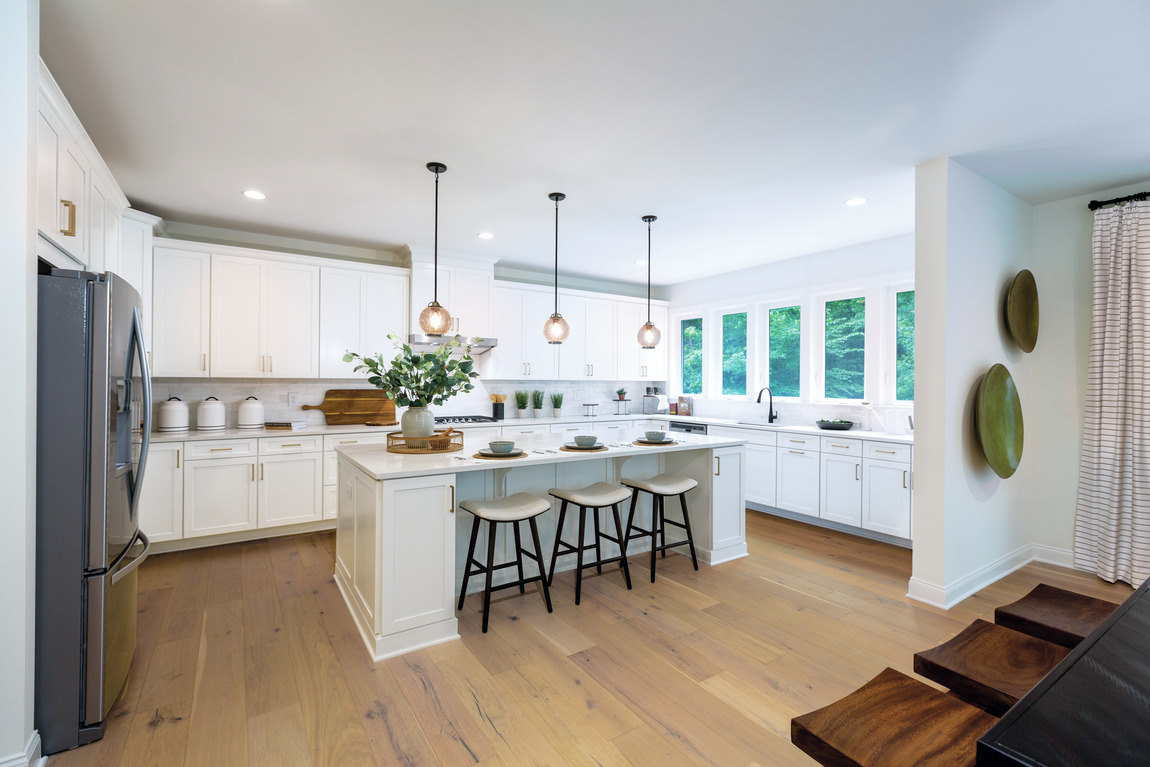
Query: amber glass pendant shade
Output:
(434,320)
(555,329)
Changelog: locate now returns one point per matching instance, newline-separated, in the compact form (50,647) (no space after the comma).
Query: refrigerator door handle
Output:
(146,437)
(117,575)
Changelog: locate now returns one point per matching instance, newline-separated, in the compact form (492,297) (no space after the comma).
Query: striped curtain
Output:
(1112,529)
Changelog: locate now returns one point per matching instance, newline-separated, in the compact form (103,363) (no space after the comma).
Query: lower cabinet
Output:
(761,460)
(840,499)
(290,489)
(219,496)
(886,497)
(797,480)
(162,496)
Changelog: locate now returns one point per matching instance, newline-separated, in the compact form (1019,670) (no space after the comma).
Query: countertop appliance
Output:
(94,420)
(687,427)
(173,415)
(251,415)
(654,403)
(210,415)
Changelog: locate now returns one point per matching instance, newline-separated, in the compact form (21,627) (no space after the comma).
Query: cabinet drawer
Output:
(332,441)
(841,446)
(790,439)
(515,431)
(281,445)
(570,428)
(887,451)
(220,448)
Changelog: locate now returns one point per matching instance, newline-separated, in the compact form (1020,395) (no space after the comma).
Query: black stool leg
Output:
(579,554)
(598,552)
(631,513)
(558,540)
(656,514)
(663,525)
(490,567)
(539,561)
(687,524)
(622,545)
(467,566)
(518,555)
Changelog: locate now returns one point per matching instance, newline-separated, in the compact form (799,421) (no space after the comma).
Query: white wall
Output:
(19,54)
(970,526)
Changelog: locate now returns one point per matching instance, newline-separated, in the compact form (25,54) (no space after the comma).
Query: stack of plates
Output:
(573,446)
(492,454)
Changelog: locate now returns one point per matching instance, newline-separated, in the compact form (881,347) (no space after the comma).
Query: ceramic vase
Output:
(537,412)
(417,422)
(523,412)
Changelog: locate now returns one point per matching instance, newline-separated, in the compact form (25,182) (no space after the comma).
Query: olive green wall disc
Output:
(998,421)
(1022,310)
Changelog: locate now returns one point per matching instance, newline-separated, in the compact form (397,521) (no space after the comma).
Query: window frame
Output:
(888,392)
(714,367)
(676,321)
(763,349)
(871,343)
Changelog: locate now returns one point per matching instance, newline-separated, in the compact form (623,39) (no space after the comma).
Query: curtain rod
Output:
(1096,204)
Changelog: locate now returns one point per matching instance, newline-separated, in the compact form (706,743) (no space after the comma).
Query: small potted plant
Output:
(622,393)
(416,380)
(537,403)
(521,403)
(556,404)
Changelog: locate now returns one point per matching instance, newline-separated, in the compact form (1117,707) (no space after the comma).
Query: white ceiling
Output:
(743,125)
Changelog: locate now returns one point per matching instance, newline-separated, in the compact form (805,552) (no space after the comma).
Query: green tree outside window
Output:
(783,328)
(692,345)
(845,346)
(904,346)
(735,353)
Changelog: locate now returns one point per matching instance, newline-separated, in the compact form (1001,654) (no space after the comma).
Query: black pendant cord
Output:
(1096,204)
(648,272)
(435,256)
(557,256)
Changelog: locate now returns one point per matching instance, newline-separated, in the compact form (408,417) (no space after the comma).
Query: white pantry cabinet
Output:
(162,496)
(358,309)
(181,301)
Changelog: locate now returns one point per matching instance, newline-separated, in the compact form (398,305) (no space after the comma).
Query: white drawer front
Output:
(795,441)
(332,441)
(514,431)
(220,448)
(841,446)
(571,429)
(296,444)
(887,451)
(753,436)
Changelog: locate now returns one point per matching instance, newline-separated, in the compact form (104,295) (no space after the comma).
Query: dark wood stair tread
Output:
(1054,614)
(990,666)
(892,720)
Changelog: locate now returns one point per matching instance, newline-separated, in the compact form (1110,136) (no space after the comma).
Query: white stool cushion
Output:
(596,495)
(509,509)
(664,484)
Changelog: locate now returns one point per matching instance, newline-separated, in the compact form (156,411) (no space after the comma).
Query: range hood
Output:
(479,345)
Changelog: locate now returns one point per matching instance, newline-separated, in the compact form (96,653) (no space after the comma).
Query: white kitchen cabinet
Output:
(264,318)
(135,261)
(511,431)
(290,489)
(589,351)
(518,316)
(181,301)
(62,185)
(634,362)
(220,495)
(761,473)
(330,464)
(613,431)
(358,309)
(464,291)
(728,531)
(841,492)
(162,495)
(886,497)
(797,479)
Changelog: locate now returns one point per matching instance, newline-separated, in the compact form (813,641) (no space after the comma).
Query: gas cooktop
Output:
(464,419)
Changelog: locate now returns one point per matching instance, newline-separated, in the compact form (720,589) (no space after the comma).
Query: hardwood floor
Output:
(247,656)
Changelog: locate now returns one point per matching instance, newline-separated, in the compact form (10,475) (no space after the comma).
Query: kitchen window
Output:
(844,347)
(691,345)
(734,355)
(784,350)
(904,346)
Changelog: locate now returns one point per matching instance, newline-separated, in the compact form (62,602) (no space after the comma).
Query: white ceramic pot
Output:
(251,415)
(210,415)
(417,422)
(558,412)
(173,415)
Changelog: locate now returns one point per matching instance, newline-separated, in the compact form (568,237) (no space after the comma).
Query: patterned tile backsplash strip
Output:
(274,395)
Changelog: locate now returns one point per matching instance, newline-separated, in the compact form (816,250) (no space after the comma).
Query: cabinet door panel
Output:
(600,338)
(47,201)
(541,357)
(573,364)
(629,357)
(98,210)
(72,185)
(506,317)
(162,495)
(420,581)
(385,312)
(886,497)
(237,317)
(471,302)
(291,324)
(841,497)
(341,321)
(760,474)
(181,285)
(290,489)
(727,493)
(797,481)
(219,496)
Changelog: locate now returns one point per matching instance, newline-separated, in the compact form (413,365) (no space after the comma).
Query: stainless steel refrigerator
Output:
(94,415)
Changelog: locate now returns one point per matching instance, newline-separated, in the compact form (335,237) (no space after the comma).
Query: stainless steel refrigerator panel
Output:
(99,334)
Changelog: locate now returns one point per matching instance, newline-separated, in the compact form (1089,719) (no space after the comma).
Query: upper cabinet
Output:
(634,362)
(589,351)
(518,316)
(135,263)
(78,203)
(181,296)
(464,289)
(358,310)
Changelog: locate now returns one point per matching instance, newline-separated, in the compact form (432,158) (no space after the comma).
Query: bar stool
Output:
(514,508)
(597,496)
(660,487)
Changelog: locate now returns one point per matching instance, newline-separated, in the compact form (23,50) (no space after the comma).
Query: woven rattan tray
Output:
(440,442)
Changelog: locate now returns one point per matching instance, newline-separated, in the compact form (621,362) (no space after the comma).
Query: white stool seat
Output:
(510,509)
(596,496)
(663,484)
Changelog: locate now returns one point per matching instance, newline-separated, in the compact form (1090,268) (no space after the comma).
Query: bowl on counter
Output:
(836,425)
(586,440)
(501,446)
(655,436)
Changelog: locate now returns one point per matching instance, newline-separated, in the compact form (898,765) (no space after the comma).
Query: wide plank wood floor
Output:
(248,656)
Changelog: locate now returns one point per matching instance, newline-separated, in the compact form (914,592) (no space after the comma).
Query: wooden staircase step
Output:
(990,666)
(1054,614)
(892,720)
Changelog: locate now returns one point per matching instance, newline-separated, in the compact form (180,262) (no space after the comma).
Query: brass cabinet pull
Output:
(261,472)
(253,472)
(798,441)
(845,447)
(796,452)
(178,460)
(204,361)
(904,479)
(220,449)
(271,365)
(349,442)
(452,509)
(70,231)
(892,452)
(293,444)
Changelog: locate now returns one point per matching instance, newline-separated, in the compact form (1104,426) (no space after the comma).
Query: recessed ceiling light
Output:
(856,201)
(253,194)
(485,235)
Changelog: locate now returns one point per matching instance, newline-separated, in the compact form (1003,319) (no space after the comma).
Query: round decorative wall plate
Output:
(1022,310)
(998,421)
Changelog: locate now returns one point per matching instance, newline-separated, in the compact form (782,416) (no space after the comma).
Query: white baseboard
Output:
(1053,556)
(948,596)
(929,593)
(31,756)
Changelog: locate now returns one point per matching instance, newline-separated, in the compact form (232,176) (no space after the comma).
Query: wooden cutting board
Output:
(350,406)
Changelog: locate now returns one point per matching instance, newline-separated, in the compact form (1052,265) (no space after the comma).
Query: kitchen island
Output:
(398,563)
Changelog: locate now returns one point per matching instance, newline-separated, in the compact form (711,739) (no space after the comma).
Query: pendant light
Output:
(649,335)
(555,329)
(435,320)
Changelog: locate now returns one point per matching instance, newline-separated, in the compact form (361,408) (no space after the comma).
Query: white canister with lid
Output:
(173,415)
(251,414)
(210,415)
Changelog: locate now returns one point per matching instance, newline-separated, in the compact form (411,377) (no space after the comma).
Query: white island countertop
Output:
(377,462)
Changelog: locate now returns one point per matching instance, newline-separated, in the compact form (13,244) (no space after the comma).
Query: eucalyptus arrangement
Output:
(416,380)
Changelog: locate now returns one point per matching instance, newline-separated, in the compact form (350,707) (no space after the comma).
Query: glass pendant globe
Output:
(434,320)
(649,336)
(555,329)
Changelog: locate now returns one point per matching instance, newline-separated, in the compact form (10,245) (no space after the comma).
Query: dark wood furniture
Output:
(1054,614)
(1092,709)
